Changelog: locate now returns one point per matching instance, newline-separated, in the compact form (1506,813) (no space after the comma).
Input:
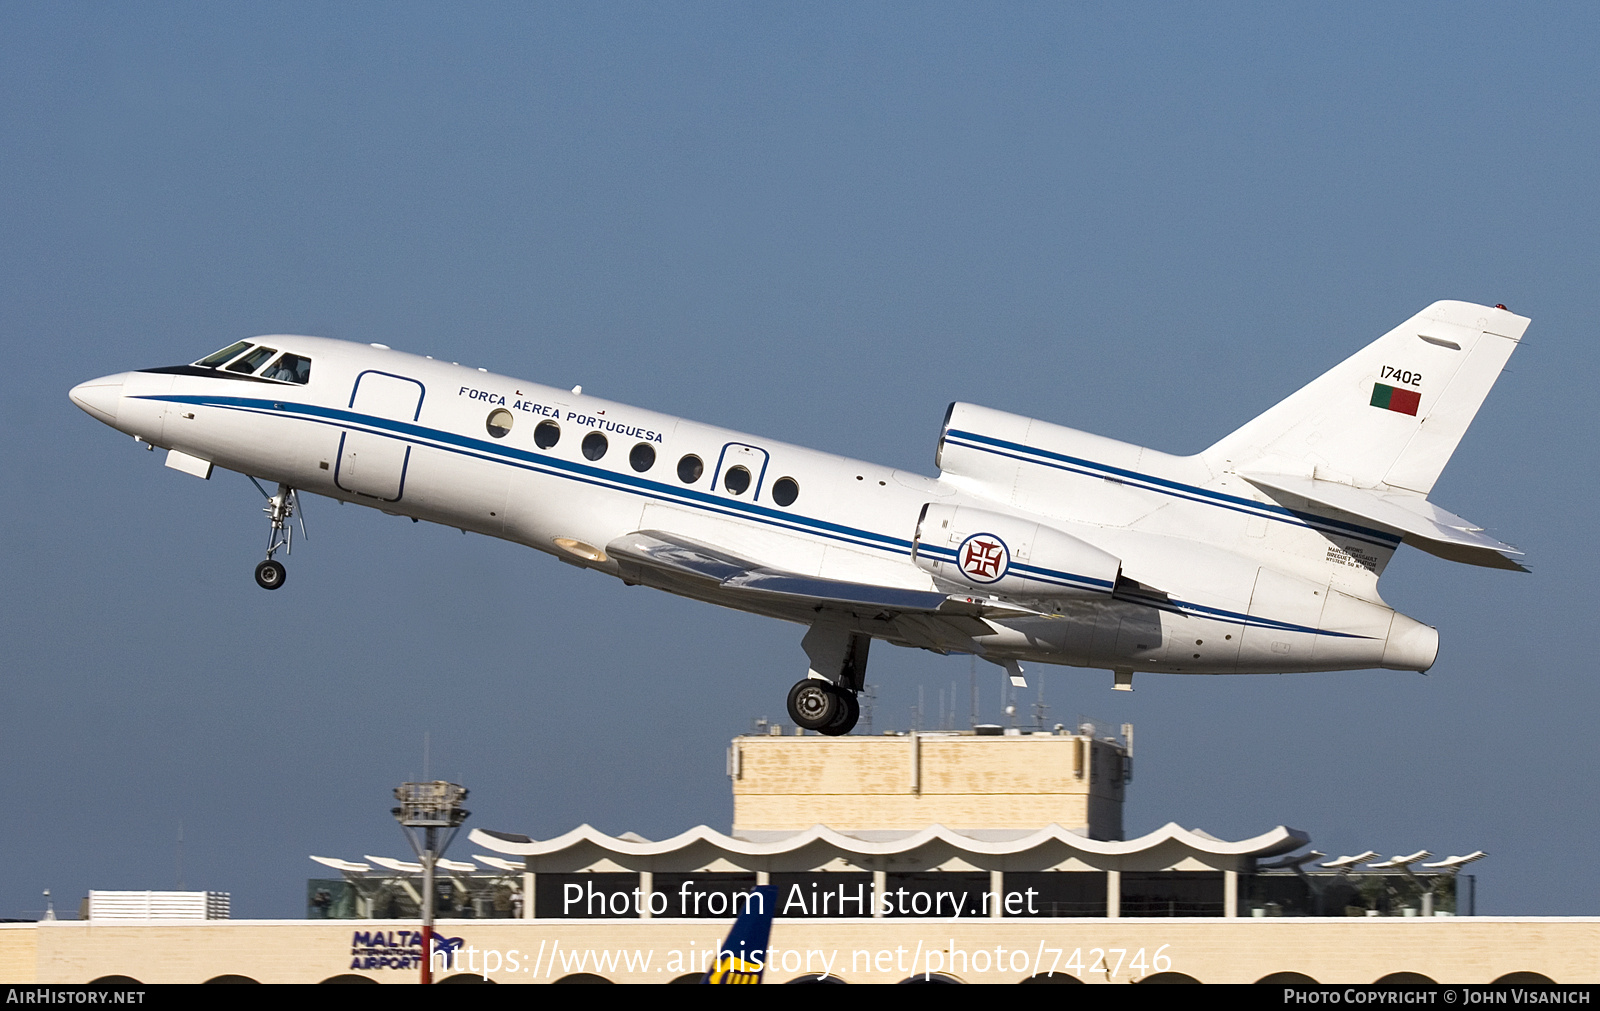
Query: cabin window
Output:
(228,353)
(547,434)
(785,490)
(499,423)
(642,457)
(736,480)
(289,368)
(690,468)
(252,361)
(594,445)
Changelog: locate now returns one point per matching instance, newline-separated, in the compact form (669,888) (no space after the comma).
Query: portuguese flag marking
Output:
(1393,399)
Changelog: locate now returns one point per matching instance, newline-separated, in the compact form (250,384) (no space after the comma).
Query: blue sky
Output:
(816,222)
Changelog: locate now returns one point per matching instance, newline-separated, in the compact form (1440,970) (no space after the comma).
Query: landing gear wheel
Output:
(270,574)
(814,704)
(849,713)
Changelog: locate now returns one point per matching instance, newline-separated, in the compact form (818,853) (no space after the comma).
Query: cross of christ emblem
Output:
(983,558)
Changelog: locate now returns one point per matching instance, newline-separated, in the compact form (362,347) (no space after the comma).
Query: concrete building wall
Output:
(910,782)
(1355,950)
(19,958)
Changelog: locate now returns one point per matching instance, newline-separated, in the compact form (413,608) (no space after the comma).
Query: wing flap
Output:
(836,591)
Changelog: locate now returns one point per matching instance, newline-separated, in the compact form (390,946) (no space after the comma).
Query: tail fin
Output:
(1391,414)
(743,956)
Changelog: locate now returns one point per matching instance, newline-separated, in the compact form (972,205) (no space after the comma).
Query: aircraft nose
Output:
(99,398)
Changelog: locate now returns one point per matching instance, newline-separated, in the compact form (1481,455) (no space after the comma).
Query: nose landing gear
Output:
(280,509)
(270,574)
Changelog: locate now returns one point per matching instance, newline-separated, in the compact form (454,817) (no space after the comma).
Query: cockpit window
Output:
(252,361)
(289,368)
(211,361)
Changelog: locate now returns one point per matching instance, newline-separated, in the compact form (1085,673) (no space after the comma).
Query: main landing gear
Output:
(826,708)
(826,700)
(280,509)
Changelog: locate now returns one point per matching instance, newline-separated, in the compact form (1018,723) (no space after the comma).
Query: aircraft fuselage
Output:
(572,475)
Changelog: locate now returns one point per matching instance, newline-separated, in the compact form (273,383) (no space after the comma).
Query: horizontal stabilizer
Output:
(1424,524)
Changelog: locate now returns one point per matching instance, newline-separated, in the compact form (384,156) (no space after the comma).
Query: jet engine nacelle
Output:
(1011,556)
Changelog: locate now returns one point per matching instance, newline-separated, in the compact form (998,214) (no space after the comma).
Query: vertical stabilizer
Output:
(743,956)
(1390,415)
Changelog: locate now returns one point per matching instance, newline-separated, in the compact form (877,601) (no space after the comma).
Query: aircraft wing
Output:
(925,619)
(682,557)
(1424,524)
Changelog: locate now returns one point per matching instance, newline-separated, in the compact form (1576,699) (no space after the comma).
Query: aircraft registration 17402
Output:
(1035,542)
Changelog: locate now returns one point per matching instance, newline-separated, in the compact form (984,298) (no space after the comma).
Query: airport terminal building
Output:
(976,856)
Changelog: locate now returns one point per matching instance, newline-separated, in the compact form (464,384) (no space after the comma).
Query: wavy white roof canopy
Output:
(1272,843)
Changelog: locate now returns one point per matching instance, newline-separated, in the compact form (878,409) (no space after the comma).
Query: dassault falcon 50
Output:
(1036,543)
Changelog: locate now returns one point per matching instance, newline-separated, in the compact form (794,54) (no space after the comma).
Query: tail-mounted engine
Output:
(1009,556)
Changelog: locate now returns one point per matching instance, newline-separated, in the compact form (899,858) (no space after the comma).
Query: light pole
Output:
(430,807)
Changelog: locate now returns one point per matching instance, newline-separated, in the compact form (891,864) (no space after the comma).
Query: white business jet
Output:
(1035,542)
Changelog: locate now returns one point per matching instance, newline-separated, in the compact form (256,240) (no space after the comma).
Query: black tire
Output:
(849,713)
(270,574)
(814,704)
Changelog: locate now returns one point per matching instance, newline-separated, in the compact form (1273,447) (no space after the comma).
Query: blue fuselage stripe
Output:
(1149,482)
(550,466)
(1033,571)
(644,487)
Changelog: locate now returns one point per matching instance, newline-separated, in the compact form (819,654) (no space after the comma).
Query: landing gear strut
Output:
(280,509)
(826,700)
(826,708)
